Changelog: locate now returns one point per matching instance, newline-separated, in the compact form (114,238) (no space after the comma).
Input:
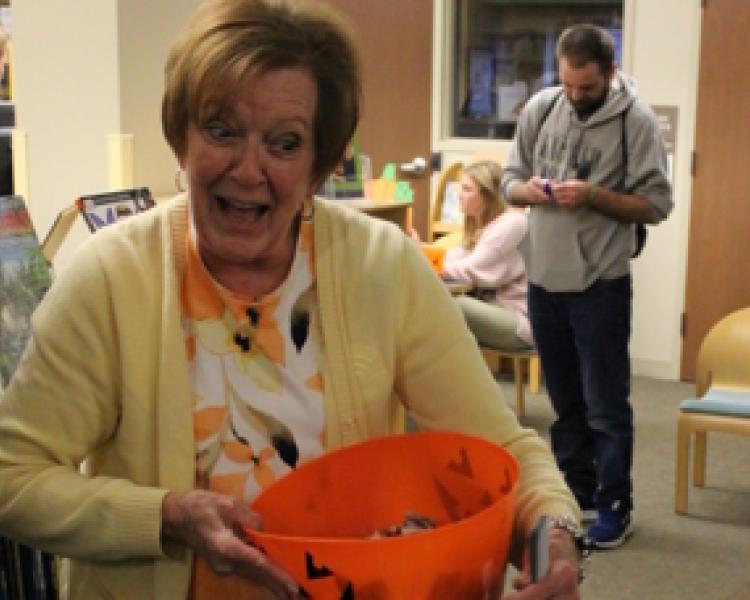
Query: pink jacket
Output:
(496,263)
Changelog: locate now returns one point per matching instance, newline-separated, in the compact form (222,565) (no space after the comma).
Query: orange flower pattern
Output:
(256,381)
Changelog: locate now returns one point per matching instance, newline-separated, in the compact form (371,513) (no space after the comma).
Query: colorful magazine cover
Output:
(24,278)
(103,209)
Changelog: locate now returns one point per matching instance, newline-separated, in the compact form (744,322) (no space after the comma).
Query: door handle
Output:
(416,168)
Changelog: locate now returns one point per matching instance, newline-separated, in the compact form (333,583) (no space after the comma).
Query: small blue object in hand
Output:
(548,188)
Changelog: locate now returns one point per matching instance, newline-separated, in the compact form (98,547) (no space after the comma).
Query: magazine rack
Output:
(98,210)
(24,572)
(59,231)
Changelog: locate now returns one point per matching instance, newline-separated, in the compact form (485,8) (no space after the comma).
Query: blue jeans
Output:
(582,339)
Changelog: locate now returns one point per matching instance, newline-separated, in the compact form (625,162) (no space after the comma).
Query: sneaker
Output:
(611,529)
(589,515)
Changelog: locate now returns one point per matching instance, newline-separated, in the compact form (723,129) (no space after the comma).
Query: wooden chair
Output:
(437,227)
(722,401)
(524,361)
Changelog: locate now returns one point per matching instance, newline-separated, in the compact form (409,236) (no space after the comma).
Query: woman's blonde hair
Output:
(226,41)
(486,175)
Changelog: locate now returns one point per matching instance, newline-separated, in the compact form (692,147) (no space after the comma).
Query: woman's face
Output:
(249,170)
(470,196)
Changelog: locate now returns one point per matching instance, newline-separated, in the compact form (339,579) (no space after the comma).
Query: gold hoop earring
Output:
(178,180)
(308,209)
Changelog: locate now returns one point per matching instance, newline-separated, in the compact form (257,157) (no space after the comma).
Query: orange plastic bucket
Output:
(436,256)
(318,519)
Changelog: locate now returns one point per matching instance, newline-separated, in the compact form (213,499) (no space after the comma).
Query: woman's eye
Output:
(287,143)
(219,131)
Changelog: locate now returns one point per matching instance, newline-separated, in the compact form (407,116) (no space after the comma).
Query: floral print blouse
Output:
(256,382)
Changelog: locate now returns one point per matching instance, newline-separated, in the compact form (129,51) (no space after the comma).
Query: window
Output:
(505,52)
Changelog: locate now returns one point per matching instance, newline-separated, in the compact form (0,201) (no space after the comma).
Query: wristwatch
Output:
(582,543)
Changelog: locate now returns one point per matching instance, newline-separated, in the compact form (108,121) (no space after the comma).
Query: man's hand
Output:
(535,191)
(213,526)
(571,193)
(628,208)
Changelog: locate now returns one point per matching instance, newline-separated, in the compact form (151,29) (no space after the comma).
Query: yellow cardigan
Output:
(104,379)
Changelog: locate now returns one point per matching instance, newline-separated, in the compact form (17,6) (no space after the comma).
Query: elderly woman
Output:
(488,256)
(201,350)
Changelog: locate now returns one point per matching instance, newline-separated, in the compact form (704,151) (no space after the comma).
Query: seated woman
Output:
(488,256)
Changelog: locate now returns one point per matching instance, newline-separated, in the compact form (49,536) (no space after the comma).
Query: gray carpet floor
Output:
(703,555)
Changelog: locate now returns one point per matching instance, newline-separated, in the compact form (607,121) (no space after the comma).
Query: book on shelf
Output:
(38,576)
(105,208)
(10,571)
(481,76)
(26,573)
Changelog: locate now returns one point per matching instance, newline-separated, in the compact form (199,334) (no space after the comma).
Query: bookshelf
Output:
(515,40)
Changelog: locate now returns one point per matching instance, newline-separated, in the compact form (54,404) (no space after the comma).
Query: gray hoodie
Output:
(568,249)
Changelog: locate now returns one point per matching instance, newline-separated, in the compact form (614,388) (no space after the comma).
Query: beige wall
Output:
(665,56)
(661,53)
(66,94)
(85,70)
(147,28)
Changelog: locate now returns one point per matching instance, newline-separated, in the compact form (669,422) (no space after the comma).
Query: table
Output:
(458,287)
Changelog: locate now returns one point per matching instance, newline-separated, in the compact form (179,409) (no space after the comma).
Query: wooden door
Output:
(718,271)
(395,39)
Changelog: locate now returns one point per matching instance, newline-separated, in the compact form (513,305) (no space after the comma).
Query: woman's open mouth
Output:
(247,212)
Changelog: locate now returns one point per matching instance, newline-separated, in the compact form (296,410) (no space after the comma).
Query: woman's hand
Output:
(213,526)
(560,582)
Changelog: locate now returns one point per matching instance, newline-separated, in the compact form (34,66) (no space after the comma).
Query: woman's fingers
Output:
(521,581)
(259,566)
(248,561)
(213,525)
(563,547)
(560,583)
